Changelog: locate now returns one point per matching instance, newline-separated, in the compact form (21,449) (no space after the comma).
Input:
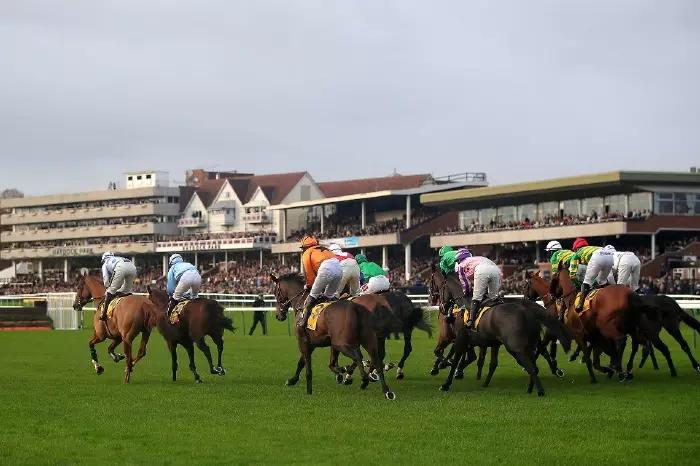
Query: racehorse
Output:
(671,315)
(343,325)
(200,317)
(403,317)
(128,320)
(515,324)
(614,313)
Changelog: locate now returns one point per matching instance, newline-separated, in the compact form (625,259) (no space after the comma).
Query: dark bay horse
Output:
(129,319)
(403,317)
(200,317)
(614,313)
(343,325)
(515,324)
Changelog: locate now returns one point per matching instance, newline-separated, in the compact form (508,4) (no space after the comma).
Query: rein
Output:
(286,304)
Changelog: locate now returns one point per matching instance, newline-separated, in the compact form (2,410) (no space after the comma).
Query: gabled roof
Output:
(275,186)
(370,185)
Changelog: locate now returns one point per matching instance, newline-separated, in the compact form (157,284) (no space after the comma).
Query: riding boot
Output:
(585,289)
(171,305)
(304,317)
(473,313)
(105,304)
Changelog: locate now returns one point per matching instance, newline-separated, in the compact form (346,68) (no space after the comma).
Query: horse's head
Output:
(156,305)
(288,289)
(555,286)
(535,286)
(436,281)
(83,295)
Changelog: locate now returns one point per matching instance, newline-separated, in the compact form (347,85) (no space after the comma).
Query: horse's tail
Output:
(223,321)
(423,324)
(689,320)
(552,324)
(636,302)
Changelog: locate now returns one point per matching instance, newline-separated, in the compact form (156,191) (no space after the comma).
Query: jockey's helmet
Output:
(335,248)
(174,259)
(553,246)
(579,243)
(308,241)
(106,256)
(444,250)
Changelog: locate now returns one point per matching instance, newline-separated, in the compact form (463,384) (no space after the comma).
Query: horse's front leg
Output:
(190,353)
(116,357)
(93,353)
(145,335)
(295,378)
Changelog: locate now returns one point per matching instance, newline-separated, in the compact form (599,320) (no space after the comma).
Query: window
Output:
(527,211)
(130,178)
(697,204)
(305,193)
(570,207)
(148,177)
(639,202)
(615,204)
(468,218)
(138,177)
(506,214)
(548,209)
(663,203)
(486,216)
(681,203)
(592,206)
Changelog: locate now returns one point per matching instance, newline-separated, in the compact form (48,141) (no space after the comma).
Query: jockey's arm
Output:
(105,275)
(171,281)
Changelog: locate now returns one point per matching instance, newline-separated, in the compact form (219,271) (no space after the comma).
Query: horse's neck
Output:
(97,290)
(567,287)
(541,287)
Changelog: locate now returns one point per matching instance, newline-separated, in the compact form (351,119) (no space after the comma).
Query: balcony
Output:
(257,217)
(97,231)
(94,250)
(91,213)
(192,222)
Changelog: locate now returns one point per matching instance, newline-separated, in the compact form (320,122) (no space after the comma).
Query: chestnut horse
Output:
(129,319)
(200,317)
(515,324)
(614,313)
(343,325)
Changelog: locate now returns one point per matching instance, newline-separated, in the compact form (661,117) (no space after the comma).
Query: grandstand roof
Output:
(369,185)
(616,182)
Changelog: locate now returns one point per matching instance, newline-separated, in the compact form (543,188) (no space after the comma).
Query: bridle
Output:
(284,306)
(79,301)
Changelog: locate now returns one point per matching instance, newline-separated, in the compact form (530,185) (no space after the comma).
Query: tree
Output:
(11,193)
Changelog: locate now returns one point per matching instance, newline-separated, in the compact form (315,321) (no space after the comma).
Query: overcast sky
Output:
(518,89)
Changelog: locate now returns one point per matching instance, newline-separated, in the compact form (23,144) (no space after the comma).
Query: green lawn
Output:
(56,410)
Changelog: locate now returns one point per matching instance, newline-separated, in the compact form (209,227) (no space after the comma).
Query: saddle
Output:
(484,309)
(177,311)
(316,313)
(587,302)
(112,304)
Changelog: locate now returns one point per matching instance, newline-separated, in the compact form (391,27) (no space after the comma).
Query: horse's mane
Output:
(454,286)
(291,276)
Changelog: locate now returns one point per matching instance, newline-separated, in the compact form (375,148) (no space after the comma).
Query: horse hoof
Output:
(99,370)
(399,376)
(540,393)
(339,378)
(559,373)
(364,384)
(629,376)
(198,381)
(621,377)
(222,371)
(391,396)
(434,372)
(444,388)
(373,376)
(389,366)
(459,375)
(291,382)
(347,381)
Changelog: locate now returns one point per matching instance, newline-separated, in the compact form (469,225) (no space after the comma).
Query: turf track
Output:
(56,410)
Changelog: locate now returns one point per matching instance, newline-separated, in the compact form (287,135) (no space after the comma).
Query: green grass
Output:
(56,410)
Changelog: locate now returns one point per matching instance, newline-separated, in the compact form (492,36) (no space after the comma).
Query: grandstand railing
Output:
(60,306)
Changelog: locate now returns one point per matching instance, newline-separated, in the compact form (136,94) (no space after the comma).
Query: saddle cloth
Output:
(316,313)
(587,302)
(112,305)
(177,311)
(482,311)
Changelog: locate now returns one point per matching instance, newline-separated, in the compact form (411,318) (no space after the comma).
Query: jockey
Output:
(351,271)
(557,255)
(480,276)
(323,275)
(183,281)
(598,261)
(448,259)
(627,267)
(118,276)
(374,279)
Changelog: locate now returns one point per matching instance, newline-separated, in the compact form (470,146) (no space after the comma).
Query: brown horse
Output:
(515,324)
(394,312)
(614,313)
(343,325)
(200,317)
(129,319)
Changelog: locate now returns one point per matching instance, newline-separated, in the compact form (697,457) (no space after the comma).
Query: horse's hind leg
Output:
(675,332)
(480,362)
(145,335)
(633,353)
(576,353)
(190,354)
(661,346)
(295,378)
(355,355)
(129,359)
(219,342)
(333,365)
(531,368)
(204,348)
(407,348)
(551,361)
(373,347)
(493,364)
(93,354)
(116,357)
(173,356)
(587,360)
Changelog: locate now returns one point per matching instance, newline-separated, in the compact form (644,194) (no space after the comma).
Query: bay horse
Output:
(343,325)
(128,320)
(200,317)
(614,313)
(515,324)
(403,316)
